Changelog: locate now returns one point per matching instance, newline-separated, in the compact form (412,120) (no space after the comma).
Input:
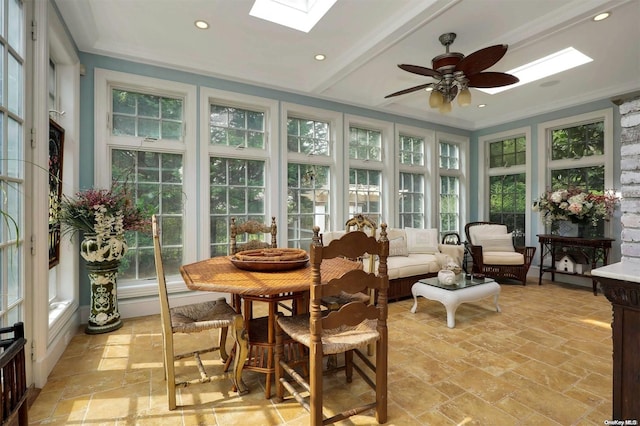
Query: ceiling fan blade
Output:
(409,90)
(416,69)
(481,59)
(492,79)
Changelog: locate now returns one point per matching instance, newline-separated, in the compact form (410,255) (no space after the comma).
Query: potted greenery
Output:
(102,216)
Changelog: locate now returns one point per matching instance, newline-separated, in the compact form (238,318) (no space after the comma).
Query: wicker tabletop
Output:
(219,274)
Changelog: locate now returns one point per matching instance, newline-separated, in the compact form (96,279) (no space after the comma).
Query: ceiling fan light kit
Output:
(455,73)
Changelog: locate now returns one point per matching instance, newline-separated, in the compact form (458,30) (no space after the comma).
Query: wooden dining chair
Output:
(195,318)
(349,329)
(252,235)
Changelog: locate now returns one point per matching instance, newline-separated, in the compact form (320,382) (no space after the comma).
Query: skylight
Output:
(301,15)
(549,65)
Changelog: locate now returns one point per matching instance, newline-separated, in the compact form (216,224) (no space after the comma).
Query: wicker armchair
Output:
(493,253)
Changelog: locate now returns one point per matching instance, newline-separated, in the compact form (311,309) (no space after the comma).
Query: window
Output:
(238,127)
(579,154)
(365,193)
(452,170)
(237,160)
(148,144)
(146,115)
(237,190)
(507,184)
(366,166)
(412,189)
(308,136)
(157,183)
(309,141)
(12,116)
(365,144)
(307,202)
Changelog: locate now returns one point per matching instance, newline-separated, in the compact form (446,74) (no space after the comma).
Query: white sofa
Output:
(413,254)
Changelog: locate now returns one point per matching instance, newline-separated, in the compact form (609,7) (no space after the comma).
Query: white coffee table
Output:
(452,296)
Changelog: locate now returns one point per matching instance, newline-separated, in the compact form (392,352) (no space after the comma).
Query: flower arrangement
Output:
(103,212)
(576,206)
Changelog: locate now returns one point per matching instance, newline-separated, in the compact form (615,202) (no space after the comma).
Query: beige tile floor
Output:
(545,360)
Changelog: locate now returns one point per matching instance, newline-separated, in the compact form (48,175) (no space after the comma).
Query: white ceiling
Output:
(364,40)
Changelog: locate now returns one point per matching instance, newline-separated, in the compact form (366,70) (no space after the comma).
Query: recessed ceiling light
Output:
(544,67)
(297,14)
(203,25)
(320,57)
(482,105)
(601,16)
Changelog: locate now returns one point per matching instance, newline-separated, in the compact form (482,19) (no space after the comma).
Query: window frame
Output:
(484,173)
(546,165)
(426,170)
(335,160)
(388,191)
(104,82)
(206,151)
(461,173)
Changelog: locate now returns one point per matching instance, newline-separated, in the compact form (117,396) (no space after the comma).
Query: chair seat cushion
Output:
(502,258)
(335,340)
(202,316)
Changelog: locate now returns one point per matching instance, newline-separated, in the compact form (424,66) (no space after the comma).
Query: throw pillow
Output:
(422,240)
(499,242)
(398,247)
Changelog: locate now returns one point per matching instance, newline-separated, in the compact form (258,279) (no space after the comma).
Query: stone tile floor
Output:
(545,360)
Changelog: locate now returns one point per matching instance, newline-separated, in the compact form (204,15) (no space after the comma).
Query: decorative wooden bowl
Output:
(270,260)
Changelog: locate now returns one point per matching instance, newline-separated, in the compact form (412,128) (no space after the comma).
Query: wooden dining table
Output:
(219,274)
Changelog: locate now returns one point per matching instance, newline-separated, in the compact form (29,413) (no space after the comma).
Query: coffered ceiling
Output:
(364,40)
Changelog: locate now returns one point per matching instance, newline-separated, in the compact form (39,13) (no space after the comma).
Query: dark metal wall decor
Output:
(56,151)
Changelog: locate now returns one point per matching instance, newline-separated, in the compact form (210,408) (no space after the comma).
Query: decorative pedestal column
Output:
(103,260)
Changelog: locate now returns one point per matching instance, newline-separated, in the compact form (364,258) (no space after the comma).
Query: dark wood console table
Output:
(594,250)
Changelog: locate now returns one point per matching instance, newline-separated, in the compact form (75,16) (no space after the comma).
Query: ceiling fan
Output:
(455,73)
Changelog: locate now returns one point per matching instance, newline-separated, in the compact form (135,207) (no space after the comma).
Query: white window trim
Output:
(544,147)
(65,274)
(268,154)
(430,151)
(462,173)
(484,173)
(335,160)
(104,81)
(388,210)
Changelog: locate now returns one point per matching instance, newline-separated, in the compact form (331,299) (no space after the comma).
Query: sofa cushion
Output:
(485,229)
(408,266)
(502,258)
(398,247)
(496,242)
(422,240)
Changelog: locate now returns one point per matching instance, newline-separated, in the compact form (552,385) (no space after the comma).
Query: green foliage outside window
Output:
(308,136)
(579,141)
(365,144)
(449,204)
(156,182)
(237,190)
(145,115)
(308,198)
(508,152)
(411,150)
(507,195)
(230,126)
(411,200)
